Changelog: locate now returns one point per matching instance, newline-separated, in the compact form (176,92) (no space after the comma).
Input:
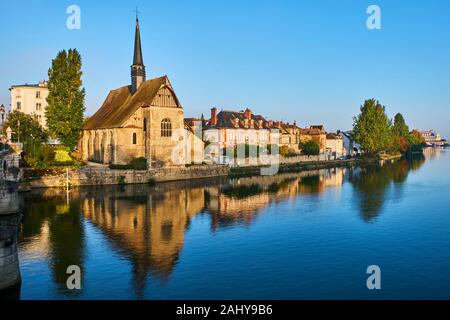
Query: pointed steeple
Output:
(138,60)
(138,68)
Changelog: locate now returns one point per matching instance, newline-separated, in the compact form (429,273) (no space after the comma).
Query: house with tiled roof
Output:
(335,146)
(315,133)
(136,120)
(227,129)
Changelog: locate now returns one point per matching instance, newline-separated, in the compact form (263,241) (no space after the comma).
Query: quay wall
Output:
(93,176)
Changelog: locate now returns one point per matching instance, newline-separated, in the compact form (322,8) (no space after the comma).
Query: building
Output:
(352,148)
(31,100)
(227,129)
(335,146)
(289,135)
(315,133)
(143,119)
(432,137)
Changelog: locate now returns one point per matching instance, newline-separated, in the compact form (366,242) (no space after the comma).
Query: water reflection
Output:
(147,225)
(53,228)
(373,182)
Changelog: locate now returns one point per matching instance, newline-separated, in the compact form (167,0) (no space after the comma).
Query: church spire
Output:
(138,60)
(138,68)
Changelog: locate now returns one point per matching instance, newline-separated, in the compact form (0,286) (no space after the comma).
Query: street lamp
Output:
(2,112)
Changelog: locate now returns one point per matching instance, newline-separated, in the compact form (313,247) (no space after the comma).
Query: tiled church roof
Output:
(120,104)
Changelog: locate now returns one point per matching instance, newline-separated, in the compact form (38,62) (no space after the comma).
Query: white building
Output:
(335,146)
(30,99)
(352,148)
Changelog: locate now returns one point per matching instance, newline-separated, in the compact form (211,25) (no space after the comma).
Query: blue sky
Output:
(310,61)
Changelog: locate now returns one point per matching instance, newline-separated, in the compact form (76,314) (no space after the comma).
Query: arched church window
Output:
(145,125)
(166,128)
(134,138)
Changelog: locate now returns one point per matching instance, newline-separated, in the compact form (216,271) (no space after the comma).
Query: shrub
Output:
(45,153)
(284,151)
(121,180)
(135,164)
(310,148)
(151,182)
(62,155)
(139,163)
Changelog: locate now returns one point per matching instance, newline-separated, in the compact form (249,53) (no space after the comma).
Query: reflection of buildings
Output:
(431,153)
(243,199)
(148,227)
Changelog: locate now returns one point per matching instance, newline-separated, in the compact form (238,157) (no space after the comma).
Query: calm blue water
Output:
(297,236)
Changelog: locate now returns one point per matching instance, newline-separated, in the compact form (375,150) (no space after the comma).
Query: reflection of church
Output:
(147,227)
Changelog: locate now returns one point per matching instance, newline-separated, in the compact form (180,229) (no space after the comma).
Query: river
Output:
(309,235)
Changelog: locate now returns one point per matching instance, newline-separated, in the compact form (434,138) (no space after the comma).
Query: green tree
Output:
(26,128)
(372,127)
(66,98)
(400,128)
(416,141)
(310,148)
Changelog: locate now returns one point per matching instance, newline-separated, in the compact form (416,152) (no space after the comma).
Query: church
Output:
(135,121)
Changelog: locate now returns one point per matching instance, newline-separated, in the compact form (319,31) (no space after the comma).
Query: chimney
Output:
(214,116)
(248,114)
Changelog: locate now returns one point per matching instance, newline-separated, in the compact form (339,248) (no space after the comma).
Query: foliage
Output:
(62,155)
(242,191)
(400,128)
(372,127)
(135,164)
(310,148)
(66,98)
(41,156)
(416,141)
(400,134)
(284,151)
(151,182)
(121,180)
(25,128)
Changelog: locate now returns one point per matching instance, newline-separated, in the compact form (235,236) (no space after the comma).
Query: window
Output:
(19,105)
(134,138)
(166,128)
(145,125)
(38,106)
(38,94)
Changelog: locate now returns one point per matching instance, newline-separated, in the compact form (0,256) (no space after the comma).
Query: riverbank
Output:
(100,176)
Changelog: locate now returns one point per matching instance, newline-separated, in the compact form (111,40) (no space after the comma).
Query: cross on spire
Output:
(137,12)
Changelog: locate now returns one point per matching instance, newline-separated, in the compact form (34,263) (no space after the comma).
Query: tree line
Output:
(377,133)
(64,112)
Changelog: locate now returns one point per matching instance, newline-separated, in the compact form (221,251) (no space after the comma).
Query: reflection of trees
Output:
(311,184)
(60,231)
(372,183)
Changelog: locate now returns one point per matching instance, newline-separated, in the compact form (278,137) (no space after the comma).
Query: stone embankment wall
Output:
(93,176)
